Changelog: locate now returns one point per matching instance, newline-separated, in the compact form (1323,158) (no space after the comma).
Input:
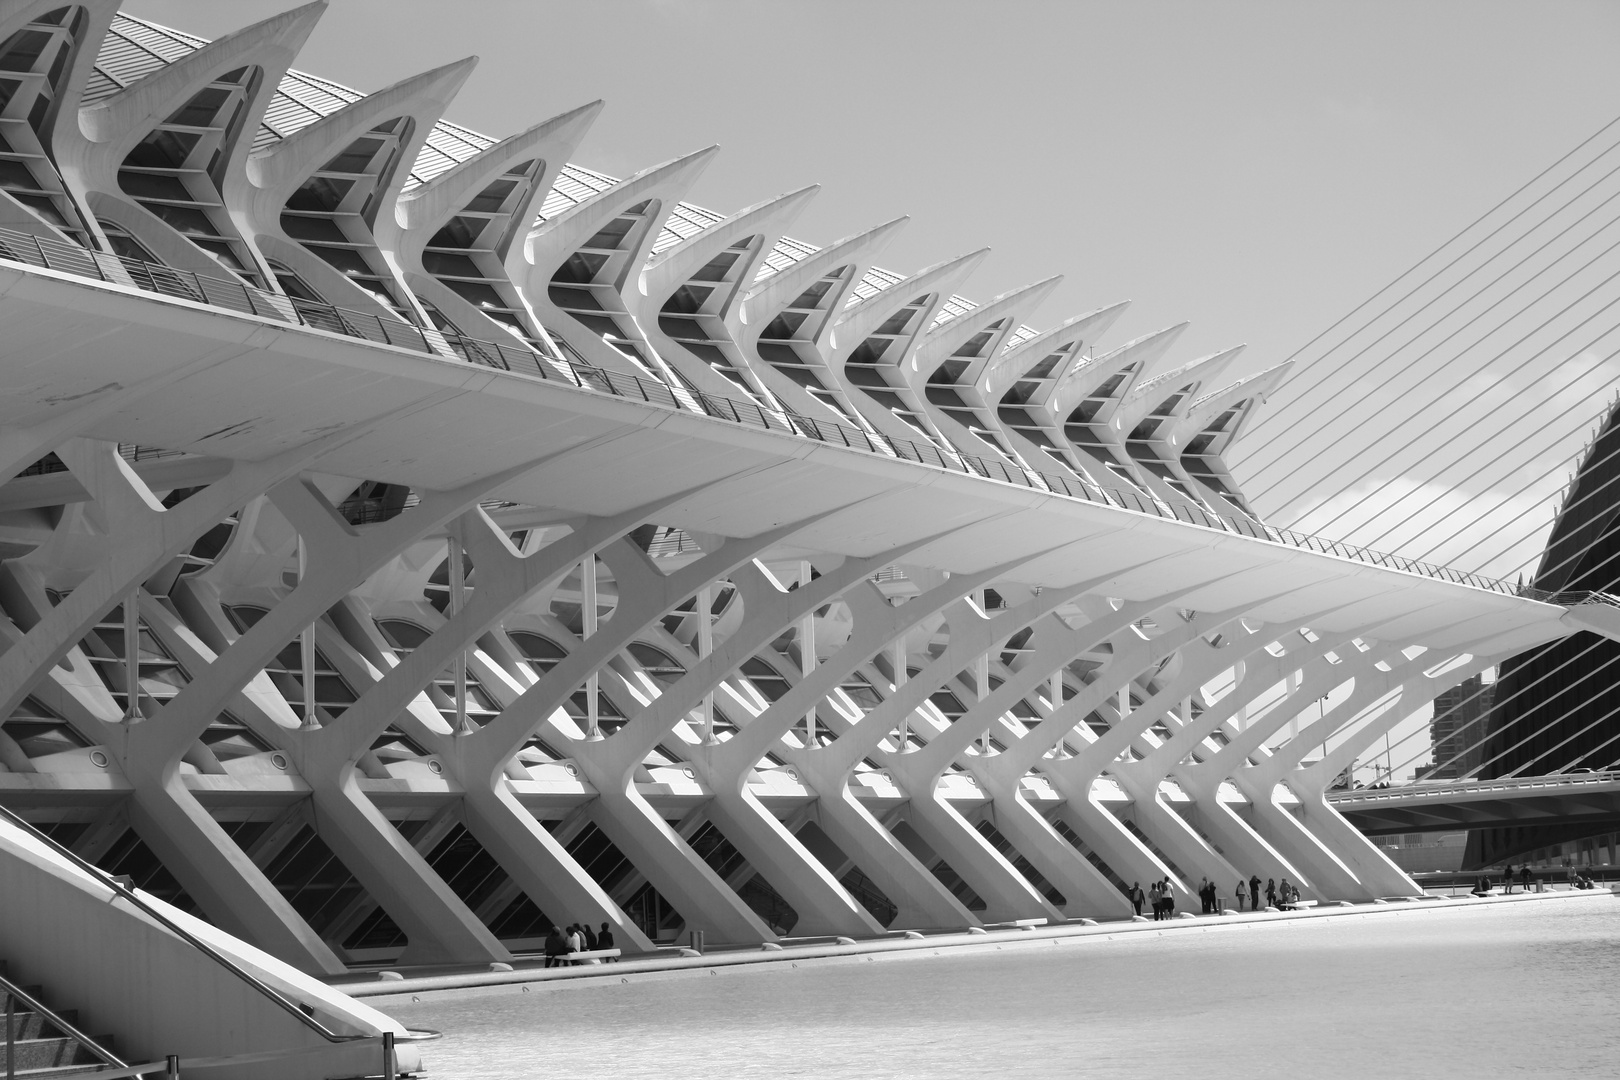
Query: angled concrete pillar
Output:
(191,844)
(920,898)
(1251,851)
(633,825)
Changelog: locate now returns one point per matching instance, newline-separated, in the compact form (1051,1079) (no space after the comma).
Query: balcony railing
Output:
(570,369)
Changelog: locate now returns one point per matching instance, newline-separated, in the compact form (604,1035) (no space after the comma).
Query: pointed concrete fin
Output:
(555,139)
(782,286)
(1014,302)
(770,216)
(154,97)
(1206,408)
(280,167)
(1205,370)
(1011,365)
(942,278)
(668,270)
(678,173)
(1082,379)
(1091,325)
(1150,348)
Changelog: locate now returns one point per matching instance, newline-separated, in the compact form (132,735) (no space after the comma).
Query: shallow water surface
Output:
(1525,989)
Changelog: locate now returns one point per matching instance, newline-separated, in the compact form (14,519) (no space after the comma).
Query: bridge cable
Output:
(1346,410)
(1276,418)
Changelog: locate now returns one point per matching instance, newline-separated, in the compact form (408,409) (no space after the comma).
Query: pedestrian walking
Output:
(1254,893)
(1507,880)
(1238,895)
(1271,893)
(1136,897)
(1156,895)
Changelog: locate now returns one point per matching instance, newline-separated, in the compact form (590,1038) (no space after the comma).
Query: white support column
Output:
(593,682)
(807,653)
(920,898)
(191,844)
(132,657)
(1269,840)
(705,644)
(981,679)
(458,598)
(900,675)
(306,650)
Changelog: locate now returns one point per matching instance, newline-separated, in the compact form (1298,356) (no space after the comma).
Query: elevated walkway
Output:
(1561,799)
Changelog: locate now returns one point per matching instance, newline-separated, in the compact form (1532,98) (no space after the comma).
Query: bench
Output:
(569,959)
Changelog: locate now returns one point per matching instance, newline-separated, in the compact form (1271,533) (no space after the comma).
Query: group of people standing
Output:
(1162,896)
(577,938)
(1280,895)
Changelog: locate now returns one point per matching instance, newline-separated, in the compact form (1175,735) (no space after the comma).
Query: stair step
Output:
(50,1051)
(33,1025)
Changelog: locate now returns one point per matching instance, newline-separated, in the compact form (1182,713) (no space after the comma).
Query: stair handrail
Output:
(127,893)
(70,1030)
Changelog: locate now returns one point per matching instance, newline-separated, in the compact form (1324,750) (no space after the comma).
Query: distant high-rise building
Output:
(1458,729)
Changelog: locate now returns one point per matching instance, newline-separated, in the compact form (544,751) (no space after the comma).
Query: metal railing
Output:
(17,994)
(573,371)
(1450,789)
(125,892)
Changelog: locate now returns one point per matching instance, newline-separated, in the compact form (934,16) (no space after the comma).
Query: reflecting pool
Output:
(1522,989)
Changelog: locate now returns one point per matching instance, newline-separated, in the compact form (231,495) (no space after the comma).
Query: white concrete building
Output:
(412,540)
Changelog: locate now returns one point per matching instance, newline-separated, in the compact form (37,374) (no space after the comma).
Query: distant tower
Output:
(1457,732)
(1556,706)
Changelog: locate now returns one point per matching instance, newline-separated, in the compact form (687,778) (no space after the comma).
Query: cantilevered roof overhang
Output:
(238,387)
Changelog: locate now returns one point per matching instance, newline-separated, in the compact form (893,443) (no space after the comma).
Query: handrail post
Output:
(171,1069)
(11,1037)
(390,1069)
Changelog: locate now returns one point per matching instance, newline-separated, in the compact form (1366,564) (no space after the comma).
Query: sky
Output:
(1256,168)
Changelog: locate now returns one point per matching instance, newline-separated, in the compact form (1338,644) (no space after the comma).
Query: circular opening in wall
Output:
(99,759)
(793,775)
(435,768)
(279,760)
(570,768)
(690,773)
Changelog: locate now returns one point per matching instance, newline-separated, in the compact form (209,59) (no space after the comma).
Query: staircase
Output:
(44,1042)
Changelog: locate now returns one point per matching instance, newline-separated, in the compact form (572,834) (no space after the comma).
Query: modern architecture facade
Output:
(412,540)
